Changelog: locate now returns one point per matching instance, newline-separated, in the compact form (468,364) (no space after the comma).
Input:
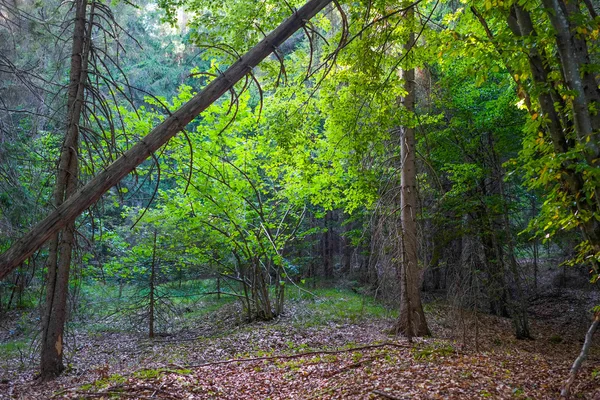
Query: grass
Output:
(155,373)
(338,305)
(107,308)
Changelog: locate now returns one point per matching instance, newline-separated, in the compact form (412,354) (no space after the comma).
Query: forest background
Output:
(387,148)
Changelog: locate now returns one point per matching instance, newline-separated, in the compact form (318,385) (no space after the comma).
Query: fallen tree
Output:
(68,211)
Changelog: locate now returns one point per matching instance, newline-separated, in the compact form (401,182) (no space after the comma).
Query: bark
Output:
(93,190)
(59,260)
(557,124)
(152,289)
(346,246)
(579,78)
(590,8)
(554,124)
(574,58)
(411,321)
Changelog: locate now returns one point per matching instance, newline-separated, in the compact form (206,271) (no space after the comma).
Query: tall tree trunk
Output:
(411,321)
(110,176)
(580,79)
(555,123)
(61,244)
(346,246)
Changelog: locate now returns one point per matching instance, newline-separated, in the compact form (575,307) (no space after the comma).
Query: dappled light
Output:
(302,199)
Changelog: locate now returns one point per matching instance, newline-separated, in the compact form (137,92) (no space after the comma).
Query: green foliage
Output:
(433,351)
(155,373)
(335,305)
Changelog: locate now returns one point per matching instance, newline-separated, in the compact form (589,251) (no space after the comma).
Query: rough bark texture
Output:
(573,57)
(579,78)
(411,321)
(61,245)
(93,190)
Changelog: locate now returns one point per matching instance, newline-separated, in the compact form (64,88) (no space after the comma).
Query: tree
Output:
(61,243)
(558,79)
(93,190)
(412,320)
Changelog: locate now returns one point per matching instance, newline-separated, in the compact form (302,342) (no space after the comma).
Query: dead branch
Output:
(300,355)
(565,392)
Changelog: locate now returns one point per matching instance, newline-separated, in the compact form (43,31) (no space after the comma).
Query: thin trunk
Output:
(535,264)
(496,285)
(565,392)
(411,321)
(327,246)
(512,22)
(346,245)
(13,290)
(59,260)
(535,249)
(218,288)
(152,289)
(93,190)
(518,300)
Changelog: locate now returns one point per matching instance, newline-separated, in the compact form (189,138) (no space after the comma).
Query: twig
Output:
(349,366)
(299,355)
(565,391)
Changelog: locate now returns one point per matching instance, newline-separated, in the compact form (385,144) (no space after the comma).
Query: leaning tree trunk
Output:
(565,391)
(411,321)
(61,244)
(94,189)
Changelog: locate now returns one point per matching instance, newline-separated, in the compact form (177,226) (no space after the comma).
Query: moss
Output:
(433,351)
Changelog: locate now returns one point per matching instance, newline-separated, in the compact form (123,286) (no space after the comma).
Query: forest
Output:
(299,199)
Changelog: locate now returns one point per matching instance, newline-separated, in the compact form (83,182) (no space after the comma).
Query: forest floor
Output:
(332,355)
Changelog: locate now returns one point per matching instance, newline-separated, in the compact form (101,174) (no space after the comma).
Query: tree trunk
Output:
(411,321)
(93,190)
(61,245)
(580,80)
(327,250)
(152,289)
(571,51)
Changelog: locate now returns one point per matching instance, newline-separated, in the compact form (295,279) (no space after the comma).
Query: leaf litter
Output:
(337,360)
